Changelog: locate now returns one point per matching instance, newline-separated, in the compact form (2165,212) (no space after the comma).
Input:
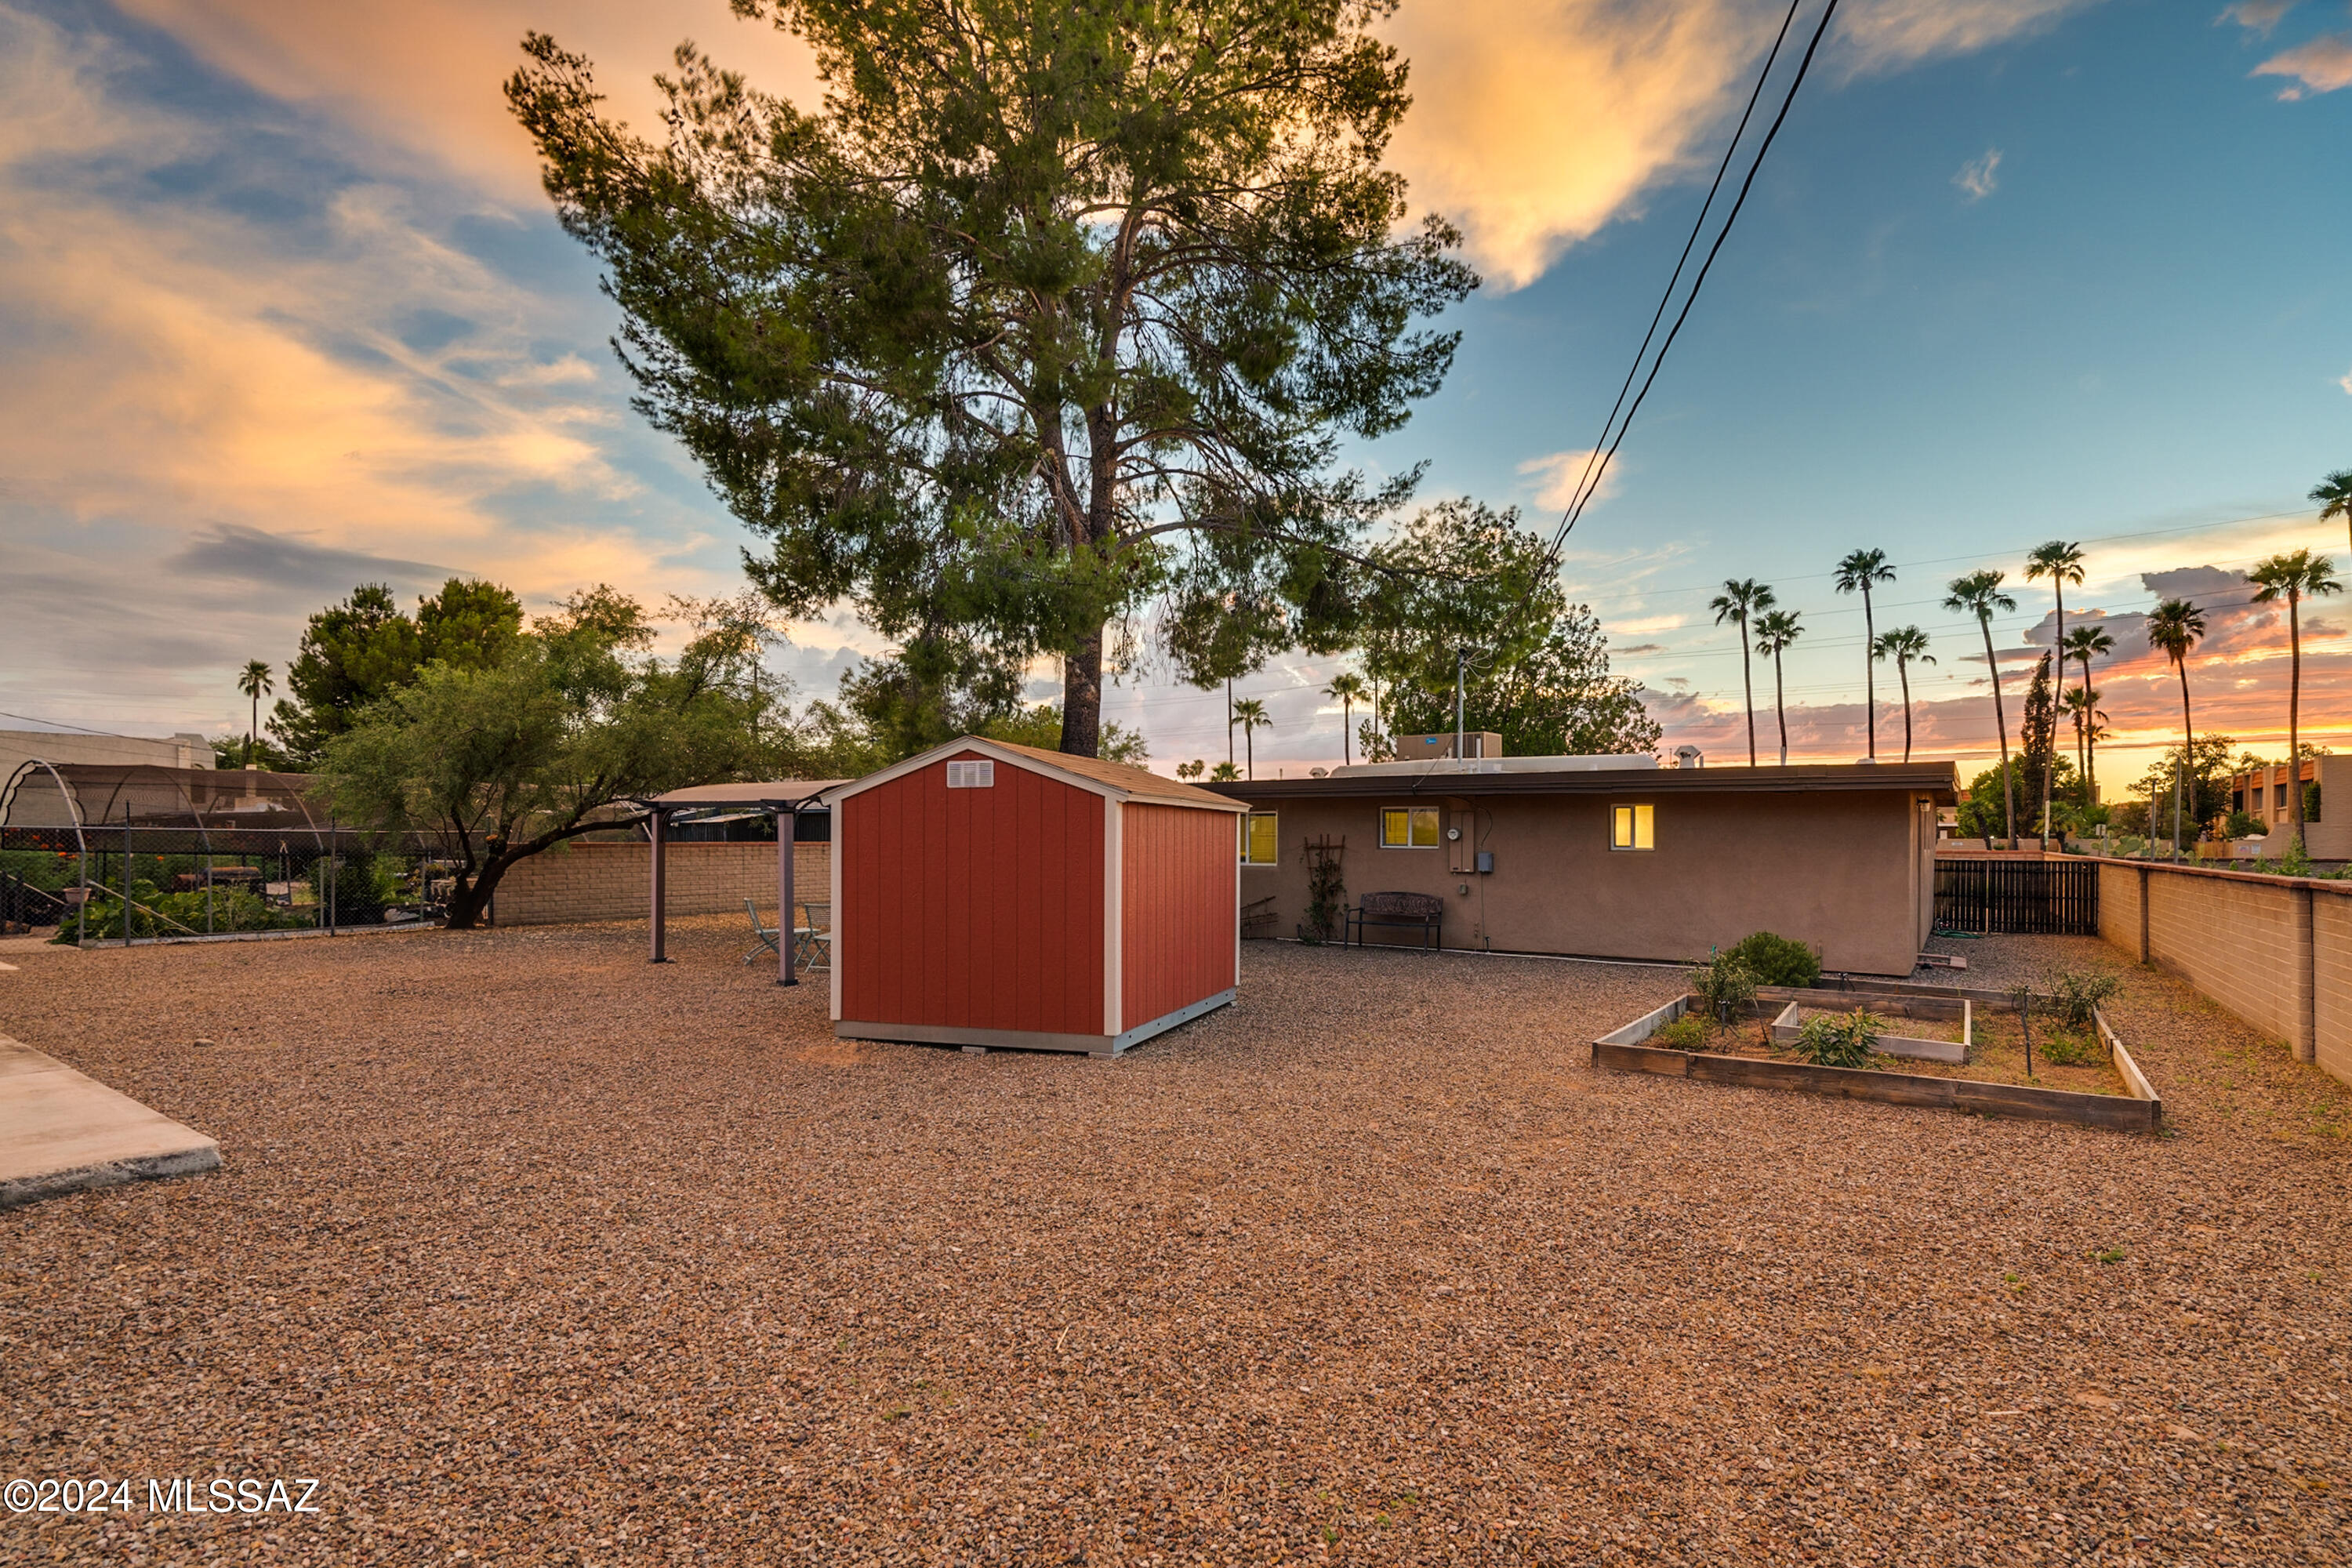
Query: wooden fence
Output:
(2033,898)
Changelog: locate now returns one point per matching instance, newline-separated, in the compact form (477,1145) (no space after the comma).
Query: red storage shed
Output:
(988,894)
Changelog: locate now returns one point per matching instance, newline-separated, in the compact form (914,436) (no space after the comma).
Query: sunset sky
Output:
(282,310)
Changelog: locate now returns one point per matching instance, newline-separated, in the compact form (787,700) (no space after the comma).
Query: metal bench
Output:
(1424,912)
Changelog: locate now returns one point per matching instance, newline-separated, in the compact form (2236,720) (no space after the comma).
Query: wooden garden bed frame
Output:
(2136,1110)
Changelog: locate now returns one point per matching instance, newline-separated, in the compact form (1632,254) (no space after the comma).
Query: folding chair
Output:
(767,934)
(813,941)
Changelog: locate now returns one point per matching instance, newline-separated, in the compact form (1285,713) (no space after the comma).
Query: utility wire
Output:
(1787,101)
(1698,227)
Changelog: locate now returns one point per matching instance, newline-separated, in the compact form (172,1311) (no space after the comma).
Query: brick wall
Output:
(2276,951)
(608,882)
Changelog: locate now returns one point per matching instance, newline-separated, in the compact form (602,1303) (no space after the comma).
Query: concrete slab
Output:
(62,1132)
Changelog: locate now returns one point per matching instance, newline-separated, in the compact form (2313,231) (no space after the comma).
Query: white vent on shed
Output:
(971,776)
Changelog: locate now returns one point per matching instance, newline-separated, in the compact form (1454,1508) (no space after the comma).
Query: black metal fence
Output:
(182,882)
(2030,898)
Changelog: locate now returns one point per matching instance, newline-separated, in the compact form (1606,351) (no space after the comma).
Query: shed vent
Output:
(971,776)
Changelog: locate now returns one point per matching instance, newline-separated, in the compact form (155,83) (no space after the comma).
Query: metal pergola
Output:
(785,799)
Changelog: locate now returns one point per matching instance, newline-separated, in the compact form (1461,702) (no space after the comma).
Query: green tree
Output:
(1905,646)
(1979,594)
(1776,632)
(1224,773)
(1460,574)
(1347,689)
(255,682)
(366,648)
(1742,599)
(2061,561)
(499,762)
(2334,495)
(2084,644)
(2294,576)
(1040,725)
(2205,781)
(2037,741)
(2081,705)
(1048,312)
(1857,573)
(1192,770)
(1250,715)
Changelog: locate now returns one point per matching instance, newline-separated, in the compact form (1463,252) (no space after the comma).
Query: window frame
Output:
(1413,815)
(1248,820)
(1636,816)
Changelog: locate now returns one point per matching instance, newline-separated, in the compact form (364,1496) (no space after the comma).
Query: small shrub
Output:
(2069,1050)
(1840,1040)
(2075,995)
(1725,987)
(1776,961)
(1687,1032)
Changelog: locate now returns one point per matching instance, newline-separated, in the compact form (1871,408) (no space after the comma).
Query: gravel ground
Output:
(535,1253)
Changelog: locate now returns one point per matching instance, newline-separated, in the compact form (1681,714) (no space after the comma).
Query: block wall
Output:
(609,881)
(2275,952)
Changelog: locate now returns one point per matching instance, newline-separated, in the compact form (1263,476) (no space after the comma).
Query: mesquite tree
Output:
(1049,313)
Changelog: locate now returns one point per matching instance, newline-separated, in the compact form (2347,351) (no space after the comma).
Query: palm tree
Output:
(1224,773)
(1978,593)
(1774,632)
(2086,644)
(1741,598)
(1250,715)
(2295,577)
(1905,646)
(2334,495)
(253,682)
(1350,689)
(2082,705)
(1192,770)
(2173,628)
(1855,574)
(2061,562)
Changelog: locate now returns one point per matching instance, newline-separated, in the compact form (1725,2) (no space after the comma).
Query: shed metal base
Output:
(1031,1039)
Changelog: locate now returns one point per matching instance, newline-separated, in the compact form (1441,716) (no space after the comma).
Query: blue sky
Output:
(280,308)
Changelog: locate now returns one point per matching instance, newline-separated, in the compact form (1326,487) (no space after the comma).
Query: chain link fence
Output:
(104,853)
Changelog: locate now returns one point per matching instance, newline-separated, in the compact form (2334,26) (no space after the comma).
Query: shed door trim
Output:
(1114,884)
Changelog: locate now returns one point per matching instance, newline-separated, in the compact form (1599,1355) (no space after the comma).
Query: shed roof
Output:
(1117,779)
(1941,779)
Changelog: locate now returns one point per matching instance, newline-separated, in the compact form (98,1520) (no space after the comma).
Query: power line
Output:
(1787,101)
(1698,226)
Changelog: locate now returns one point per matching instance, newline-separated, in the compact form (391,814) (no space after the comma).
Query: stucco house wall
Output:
(1849,872)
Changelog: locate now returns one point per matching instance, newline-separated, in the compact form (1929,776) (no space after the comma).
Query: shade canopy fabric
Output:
(704,797)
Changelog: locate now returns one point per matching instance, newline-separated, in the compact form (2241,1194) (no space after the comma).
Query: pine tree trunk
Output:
(1082,697)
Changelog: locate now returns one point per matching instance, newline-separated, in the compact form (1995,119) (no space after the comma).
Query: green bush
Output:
(1687,1032)
(178,915)
(2071,1050)
(2075,995)
(1776,961)
(1840,1040)
(1725,987)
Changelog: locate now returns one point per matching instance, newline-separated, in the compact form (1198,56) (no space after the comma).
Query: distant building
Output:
(2264,794)
(18,747)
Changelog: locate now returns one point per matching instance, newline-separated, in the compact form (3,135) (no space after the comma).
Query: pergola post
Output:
(656,824)
(788,820)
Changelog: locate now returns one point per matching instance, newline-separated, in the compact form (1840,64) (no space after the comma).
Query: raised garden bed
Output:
(1961,1072)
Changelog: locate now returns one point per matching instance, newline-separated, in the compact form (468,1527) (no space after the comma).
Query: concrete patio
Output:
(62,1132)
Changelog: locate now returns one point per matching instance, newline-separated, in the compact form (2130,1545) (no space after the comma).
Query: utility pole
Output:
(1461,664)
(1229,720)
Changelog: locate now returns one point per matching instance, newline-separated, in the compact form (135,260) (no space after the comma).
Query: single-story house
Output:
(1617,857)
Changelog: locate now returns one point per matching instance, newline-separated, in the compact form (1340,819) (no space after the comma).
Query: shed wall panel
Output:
(1177,892)
(972,908)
